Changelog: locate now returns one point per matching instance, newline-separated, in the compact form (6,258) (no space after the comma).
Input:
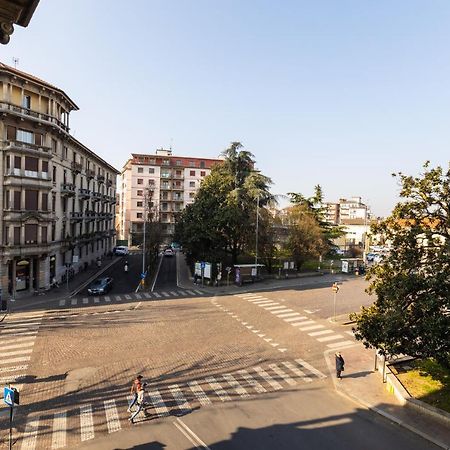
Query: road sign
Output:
(8,396)
(143,275)
(202,265)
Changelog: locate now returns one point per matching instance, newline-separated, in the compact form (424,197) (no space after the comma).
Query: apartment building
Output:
(347,212)
(57,204)
(163,182)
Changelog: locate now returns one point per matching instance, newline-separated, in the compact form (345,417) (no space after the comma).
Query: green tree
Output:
(221,221)
(411,312)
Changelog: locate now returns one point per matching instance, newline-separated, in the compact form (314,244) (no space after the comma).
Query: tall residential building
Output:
(347,212)
(167,183)
(57,204)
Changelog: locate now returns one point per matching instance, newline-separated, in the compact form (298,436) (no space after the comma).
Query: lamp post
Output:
(256,237)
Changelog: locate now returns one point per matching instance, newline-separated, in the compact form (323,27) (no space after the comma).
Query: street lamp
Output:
(256,237)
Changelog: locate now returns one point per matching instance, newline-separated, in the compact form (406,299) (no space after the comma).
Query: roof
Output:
(19,73)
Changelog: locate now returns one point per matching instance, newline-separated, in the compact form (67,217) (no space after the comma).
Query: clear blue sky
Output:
(337,93)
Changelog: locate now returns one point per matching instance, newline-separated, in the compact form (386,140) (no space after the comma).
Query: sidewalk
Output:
(361,383)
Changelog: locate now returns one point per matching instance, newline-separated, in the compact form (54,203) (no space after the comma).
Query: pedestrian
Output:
(135,388)
(140,401)
(125,267)
(339,364)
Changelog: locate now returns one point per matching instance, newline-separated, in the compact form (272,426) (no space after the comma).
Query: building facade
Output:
(347,212)
(57,205)
(161,181)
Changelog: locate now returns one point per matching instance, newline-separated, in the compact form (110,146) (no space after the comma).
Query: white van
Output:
(121,250)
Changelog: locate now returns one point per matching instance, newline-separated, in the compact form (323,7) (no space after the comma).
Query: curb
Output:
(379,411)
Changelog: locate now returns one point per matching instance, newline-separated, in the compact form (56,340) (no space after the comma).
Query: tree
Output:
(221,221)
(305,239)
(411,312)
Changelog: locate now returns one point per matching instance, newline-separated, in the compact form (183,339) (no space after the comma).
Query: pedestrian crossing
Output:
(72,426)
(17,337)
(304,323)
(83,301)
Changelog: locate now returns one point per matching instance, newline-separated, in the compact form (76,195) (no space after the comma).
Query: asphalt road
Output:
(167,276)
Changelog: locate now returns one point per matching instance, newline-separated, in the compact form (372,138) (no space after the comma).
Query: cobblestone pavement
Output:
(76,379)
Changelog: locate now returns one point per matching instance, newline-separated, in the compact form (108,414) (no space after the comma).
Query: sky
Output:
(337,93)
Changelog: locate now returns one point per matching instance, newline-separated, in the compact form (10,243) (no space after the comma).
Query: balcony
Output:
(105,198)
(108,182)
(89,215)
(67,189)
(76,216)
(29,248)
(177,188)
(90,174)
(96,196)
(112,199)
(28,178)
(84,194)
(76,167)
(16,110)
(29,149)
(14,215)
(101,178)
(178,199)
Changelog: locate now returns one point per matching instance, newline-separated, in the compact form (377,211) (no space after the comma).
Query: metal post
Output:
(334,295)
(67,277)
(256,238)
(143,243)
(10,426)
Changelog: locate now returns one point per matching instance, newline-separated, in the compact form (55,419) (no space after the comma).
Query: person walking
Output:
(339,364)
(135,388)
(140,401)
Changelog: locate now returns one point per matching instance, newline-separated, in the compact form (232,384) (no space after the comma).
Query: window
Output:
(140,181)
(139,204)
(192,184)
(166,162)
(16,235)
(54,173)
(31,164)
(140,193)
(202,164)
(151,182)
(17,200)
(139,215)
(17,162)
(192,173)
(25,136)
(140,170)
(31,233)
(202,173)
(31,200)
(45,166)
(44,206)
(55,146)
(26,101)
(44,235)
(178,162)
(191,194)
(151,170)
(192,163)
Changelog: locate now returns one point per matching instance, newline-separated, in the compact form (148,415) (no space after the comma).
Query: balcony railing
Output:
(96,196)
(76,167)
(76,216)
(84,193)
(101,178)
(67,189)
(31,149)
(90,173)
(25,112)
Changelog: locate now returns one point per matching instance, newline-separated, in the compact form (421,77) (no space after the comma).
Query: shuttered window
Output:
(44,202)
(31,200)
(38,139)
(45,166)
(16,235)
(31,233)
(17,162)
(11,133)
(31,163)
(44,235)
(17,200)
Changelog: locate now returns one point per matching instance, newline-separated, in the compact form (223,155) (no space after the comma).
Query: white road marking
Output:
(261,335)
(158,403)
(198,292)
(340,344)
(282,350)
(30,434)
(235,385)
(282,374)
(26,351)
(112,416)
(190,435)
(282,311)
(86,423)
(190,292)
(262,302)
(262,373)
(11,333)
(311,327)
(268,339)
(96,300)
(118,298)
(18,340)
(14,360)
(147,295)
(268,305)
(128,297)
(312,369)
(13,368)
(62,302)
(59,430)
(107,298)
(85,300)
(182,403)
(252,382)
(330,338)
(350,333)
(291,314)
(274,308)
(165,294)
(20,325)
(218,389)
(156,294)
(320,333)
(305,322)
(12,378)
(297,371)
(291,319)
(17,346)
(138,296)
(274,345)
(173,293)
(183,293)
(199,393)
(74,301)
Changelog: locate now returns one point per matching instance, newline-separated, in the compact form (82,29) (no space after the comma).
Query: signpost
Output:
(202,267)
(11,398)
(335,289)
(228,269)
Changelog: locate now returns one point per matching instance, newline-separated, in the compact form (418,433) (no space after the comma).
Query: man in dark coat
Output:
(339,364)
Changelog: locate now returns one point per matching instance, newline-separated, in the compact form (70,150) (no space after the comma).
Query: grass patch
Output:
(429,382)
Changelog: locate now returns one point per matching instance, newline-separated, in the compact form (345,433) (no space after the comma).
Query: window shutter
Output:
(11,133)
(38,139)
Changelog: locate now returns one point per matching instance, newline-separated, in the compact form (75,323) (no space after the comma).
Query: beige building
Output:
(347,211)
(164,182)
(57,204)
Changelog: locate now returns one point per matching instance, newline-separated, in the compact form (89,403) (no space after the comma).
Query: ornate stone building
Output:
(57,203)
(14,12)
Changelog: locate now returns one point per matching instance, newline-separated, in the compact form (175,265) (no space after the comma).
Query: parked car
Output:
(121,250)
(100,286)
(169,252)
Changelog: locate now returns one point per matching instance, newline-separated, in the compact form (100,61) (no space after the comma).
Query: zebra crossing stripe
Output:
(183,293)
(262,301)
(273,308)
(12,378)
(96,300)
(182,403)
(199,393)
(17,352)
(107,298)
(86,423)
(297,371)
(12,333)
(156,294)
(235,385)
(320,333)
(138,296)
(62,302)
(112,416)
(269,305)
(282,311)
(173,293)
(158,403)
(165,294)
(147,295)
(218,389)
(198,292)
(312,369)
(340,344)
(261,372)
(118,298)
(190,292)
(30,434)
(13,369)
(74,301)
(312,327)
(17,346)
(330,338)
(282,374)
(59,430)
(14,360)
(128,297)
(251,381)
(18,340)
(305,322)
(85,300)
(20,325)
